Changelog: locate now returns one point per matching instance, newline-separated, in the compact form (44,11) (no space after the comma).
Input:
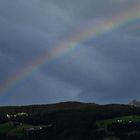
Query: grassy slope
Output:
(10,129)
(125,119)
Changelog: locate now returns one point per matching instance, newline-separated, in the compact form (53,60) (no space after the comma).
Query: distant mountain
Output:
(135,103)
(71,105)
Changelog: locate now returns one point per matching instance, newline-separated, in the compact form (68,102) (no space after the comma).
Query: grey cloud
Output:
(104,69)
(40,89)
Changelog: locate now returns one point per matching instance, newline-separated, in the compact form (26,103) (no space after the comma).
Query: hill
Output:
(69,121)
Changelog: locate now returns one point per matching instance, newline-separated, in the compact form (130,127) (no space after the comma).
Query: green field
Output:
(124,120)
(18,129)
(121,125)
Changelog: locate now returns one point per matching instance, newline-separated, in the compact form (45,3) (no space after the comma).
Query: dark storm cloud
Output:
(103,70)
(109,73)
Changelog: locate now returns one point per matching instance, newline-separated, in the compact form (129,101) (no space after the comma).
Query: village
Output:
(24,127)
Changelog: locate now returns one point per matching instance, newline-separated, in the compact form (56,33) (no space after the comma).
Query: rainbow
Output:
(96,30)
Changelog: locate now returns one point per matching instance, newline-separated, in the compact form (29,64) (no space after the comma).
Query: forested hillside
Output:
(69,121)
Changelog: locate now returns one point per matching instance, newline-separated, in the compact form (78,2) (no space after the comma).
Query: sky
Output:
(101,68)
